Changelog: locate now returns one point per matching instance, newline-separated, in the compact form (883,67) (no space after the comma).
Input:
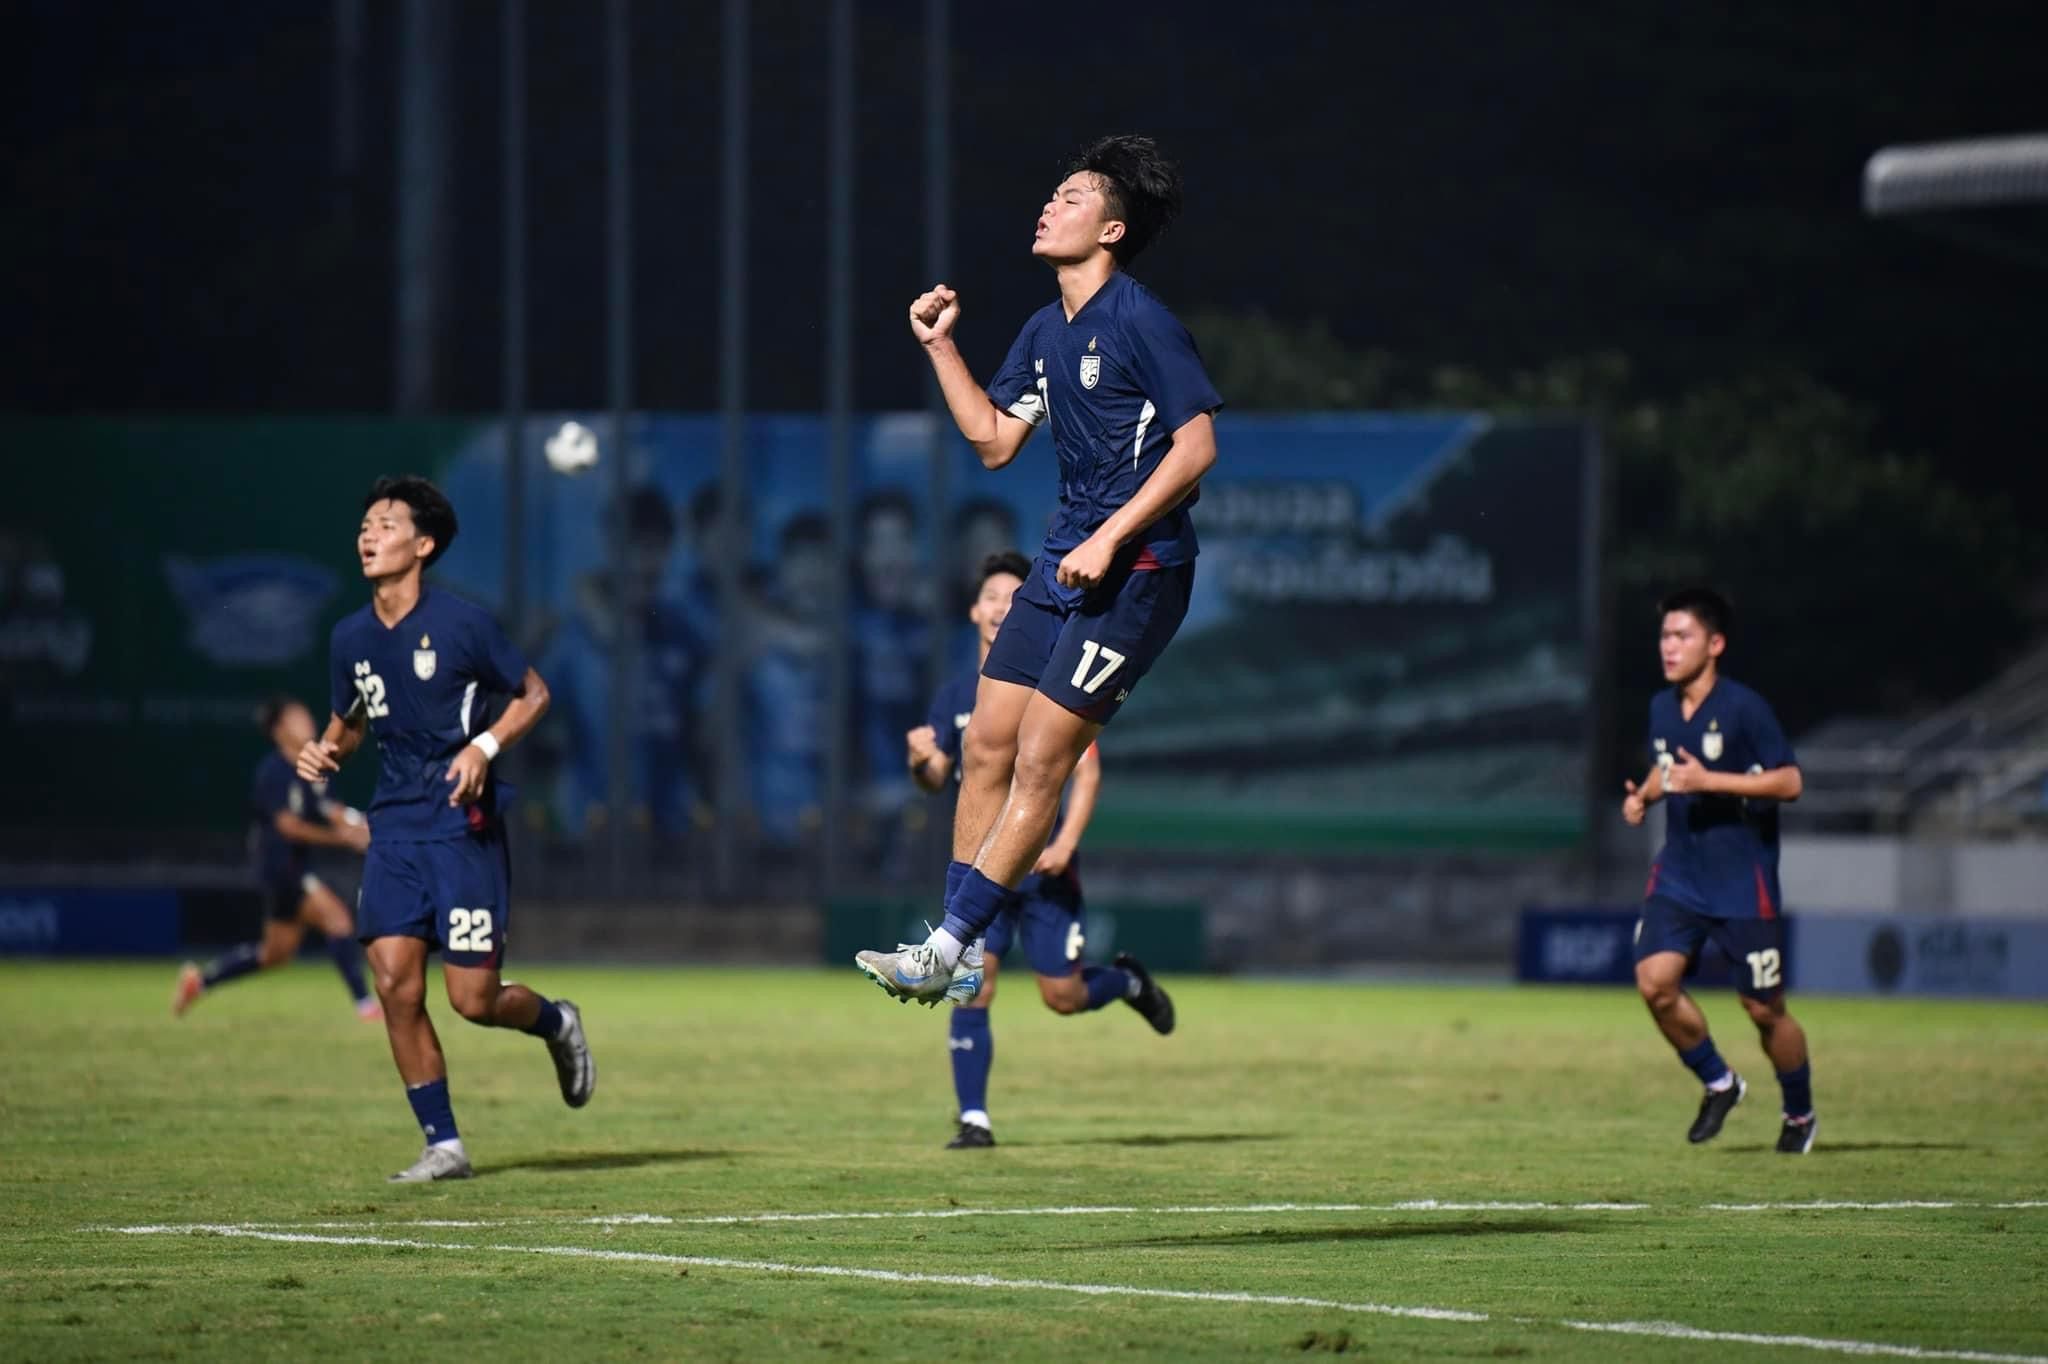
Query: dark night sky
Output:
(1493,184)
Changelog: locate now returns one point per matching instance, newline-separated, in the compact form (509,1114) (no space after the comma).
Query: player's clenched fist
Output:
(317,760)
(933,314)
(922,745)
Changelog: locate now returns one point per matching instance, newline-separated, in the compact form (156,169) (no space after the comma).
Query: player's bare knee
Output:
(477,1003)
(985,754)
(1063,994)
(1042,769)
(1767,1014)
(1660,994)
(400,994)
(270,955)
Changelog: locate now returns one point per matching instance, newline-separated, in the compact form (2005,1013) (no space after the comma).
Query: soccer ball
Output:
(572,449)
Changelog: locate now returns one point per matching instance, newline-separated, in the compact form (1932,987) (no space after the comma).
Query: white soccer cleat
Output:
(571,1054)
(436,1162)
(915,972)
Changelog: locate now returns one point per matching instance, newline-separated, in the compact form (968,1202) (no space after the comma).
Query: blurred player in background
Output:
(1722,766)
(1118,380)
(1046,915)
(289,818)
(409,665)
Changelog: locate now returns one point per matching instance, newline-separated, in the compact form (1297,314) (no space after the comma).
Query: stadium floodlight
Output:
(1975,173)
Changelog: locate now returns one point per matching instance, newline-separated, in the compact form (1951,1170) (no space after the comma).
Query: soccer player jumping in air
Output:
(409,665)
(1722,767)
(1119,382)
(1046,917)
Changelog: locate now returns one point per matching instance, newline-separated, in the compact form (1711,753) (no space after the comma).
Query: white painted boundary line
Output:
(625,1219)
(1659,1330)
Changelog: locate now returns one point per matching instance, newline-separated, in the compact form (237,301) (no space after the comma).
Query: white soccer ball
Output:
(573,449)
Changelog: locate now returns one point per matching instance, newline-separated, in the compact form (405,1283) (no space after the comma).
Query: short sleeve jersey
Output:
(417,683)
(1114,383)
(1720,854)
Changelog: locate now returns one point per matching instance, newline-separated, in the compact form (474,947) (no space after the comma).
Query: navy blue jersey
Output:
(277,789)
(1115,383)
(417,684)
(1720,854)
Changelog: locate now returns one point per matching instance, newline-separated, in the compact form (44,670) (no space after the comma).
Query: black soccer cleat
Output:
(1795,1138)
(1714,1110)
(1151,1001)
(971,1136)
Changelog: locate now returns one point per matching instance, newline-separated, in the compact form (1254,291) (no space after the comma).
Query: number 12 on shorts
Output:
(1090,651)
(469,930)
(1765,969)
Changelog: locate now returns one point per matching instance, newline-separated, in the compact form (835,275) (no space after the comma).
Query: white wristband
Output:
(487,743)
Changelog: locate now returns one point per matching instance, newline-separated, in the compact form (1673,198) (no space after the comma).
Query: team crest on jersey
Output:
(423,660)
(1091,370)
(1711,745)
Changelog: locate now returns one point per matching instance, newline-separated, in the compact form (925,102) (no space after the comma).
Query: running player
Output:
(409,666)
(289,818)
(1722,767)
(1118,380)
(1046,916)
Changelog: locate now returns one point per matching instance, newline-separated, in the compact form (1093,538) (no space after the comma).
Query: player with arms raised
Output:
(1722,768)
(1119,382)
(410,666)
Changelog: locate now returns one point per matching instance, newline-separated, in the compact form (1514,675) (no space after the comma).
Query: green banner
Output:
(158,580)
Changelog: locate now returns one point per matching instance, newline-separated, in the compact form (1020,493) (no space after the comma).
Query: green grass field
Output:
(270,1111)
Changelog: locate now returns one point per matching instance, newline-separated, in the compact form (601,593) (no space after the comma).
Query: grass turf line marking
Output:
(638,1219)
(1655,1329)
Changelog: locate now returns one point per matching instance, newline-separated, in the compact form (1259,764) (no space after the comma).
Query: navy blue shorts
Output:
(283,895)
(1088,654)
(455,893)
(1046,915)
(1755,947)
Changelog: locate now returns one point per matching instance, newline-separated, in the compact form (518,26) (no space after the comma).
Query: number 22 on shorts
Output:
(469,930)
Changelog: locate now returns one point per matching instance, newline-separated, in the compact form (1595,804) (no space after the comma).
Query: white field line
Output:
(1658,1330)
(1419,1205)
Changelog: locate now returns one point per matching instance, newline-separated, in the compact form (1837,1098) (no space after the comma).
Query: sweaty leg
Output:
(1050,740)
(987,752)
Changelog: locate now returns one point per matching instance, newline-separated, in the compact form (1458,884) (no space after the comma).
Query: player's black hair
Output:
(1008,561)
(433,514)
(1141,188)
(272,710)
(894,500)
(1704,605)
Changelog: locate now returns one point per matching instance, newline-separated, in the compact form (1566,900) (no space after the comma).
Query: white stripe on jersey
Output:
(468,695)
(1144,420)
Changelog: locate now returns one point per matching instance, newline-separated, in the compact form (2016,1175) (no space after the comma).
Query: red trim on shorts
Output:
(1146,560)
(1764,908)
(1650,886)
